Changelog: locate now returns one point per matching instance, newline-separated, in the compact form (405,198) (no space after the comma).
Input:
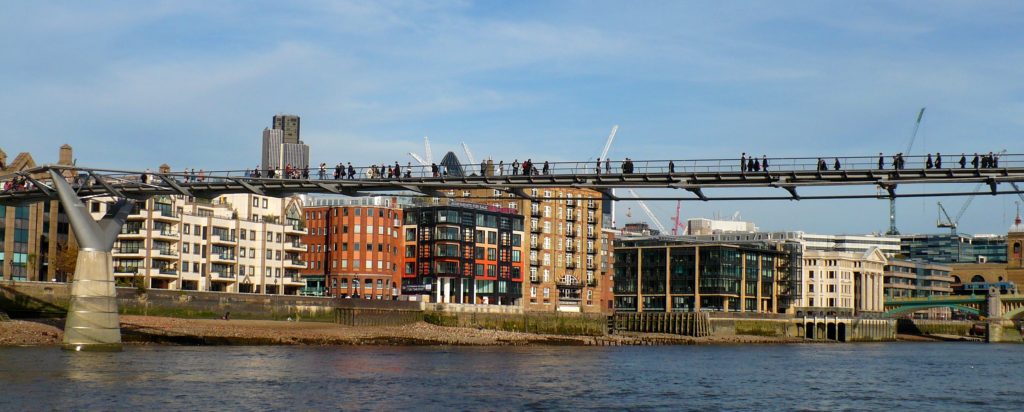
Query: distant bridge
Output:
(1008,306)
(694,179)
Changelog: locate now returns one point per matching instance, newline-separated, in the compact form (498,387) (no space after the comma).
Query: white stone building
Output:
(843,281)
(235,243)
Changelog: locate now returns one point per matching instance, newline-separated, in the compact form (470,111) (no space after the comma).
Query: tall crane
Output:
(676,223)
(604,157)
(951,223)
(892,200)
(469,154)
(647,210)
(427,158)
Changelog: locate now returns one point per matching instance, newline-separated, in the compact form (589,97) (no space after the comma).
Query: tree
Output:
(64,263)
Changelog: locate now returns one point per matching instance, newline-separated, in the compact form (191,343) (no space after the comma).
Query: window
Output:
(533,291)
(547,293)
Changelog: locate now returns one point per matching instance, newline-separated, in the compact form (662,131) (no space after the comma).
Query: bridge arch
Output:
(1013,314)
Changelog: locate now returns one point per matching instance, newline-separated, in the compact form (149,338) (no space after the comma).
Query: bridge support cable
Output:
(92,322)
(174,184)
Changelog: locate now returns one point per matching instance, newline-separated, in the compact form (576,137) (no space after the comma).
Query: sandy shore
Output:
(157,330)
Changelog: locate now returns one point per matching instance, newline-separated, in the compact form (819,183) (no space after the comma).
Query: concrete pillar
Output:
(93,322)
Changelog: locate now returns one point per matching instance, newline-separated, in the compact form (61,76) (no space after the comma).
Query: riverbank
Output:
(144,330)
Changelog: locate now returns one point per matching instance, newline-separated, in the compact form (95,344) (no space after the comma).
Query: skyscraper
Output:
(282,145)
(288,123)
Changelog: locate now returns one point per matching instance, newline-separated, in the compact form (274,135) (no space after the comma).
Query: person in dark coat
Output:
(836,165)
(881,161)
(743,162)
(963,160)
(671,167)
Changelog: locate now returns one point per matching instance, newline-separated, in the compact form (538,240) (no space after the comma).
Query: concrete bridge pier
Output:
(92,323)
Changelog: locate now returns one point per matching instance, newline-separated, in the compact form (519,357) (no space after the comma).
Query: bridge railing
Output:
(20,181)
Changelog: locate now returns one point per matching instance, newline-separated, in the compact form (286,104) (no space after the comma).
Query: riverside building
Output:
(563,230)
(235,243)
(668,274)
(464,253)
(354,247)
(36,241)
(843,282)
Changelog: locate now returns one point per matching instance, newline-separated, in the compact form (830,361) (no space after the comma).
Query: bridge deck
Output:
(690,180)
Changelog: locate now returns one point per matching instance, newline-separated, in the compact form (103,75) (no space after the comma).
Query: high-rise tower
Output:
(282,146)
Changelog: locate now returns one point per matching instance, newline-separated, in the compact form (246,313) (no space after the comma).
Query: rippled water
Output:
(896,376)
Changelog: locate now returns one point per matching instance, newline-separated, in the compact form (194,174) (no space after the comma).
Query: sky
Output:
(135,84)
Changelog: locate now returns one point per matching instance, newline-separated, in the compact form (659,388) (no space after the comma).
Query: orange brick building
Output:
(355,248)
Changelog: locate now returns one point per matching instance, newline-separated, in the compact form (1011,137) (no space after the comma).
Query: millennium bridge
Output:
(92,322)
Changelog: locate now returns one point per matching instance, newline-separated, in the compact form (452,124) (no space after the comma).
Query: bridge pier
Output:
(92,323)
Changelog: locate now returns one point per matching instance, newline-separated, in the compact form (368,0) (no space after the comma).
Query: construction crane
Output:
(604,157)
(892,200)
(676,223)
(648,211)
(469,154)
(951,223)
(608,143)
(427,158)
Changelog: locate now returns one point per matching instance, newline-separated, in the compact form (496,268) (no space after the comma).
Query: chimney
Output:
(65,158)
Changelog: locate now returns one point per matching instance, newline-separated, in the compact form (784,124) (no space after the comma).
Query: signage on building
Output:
(417,288)
(489,208)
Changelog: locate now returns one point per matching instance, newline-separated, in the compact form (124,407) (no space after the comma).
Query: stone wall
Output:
(547,323)
(934,327)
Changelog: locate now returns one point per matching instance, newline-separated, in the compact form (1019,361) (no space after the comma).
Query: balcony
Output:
(536,229)
(168,234)
(591,251)
(568,282)
(572,234)
(295,263)
(535,246)
(164,272)
(295,246)
(295,229)
(229,277)
(131,233)
(165,254)
(136,252)
(535,213)
(294,280)
(592,283)
(534,262)
(223,257)
(571,217)
(570,202)
(224,239)
(570,248)
(592,205)
(570,265)
(126,270)
(165,216)
(534,279)
(591,220)
(591,235)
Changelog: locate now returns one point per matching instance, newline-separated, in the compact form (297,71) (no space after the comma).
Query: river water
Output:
(826,377)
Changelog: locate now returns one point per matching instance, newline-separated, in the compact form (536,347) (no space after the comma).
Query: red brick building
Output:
(355,248)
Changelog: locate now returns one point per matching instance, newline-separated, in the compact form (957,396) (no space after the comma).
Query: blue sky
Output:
(192,84)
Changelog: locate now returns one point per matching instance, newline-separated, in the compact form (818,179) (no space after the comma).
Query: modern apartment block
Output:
(888,245)
(668,274)
(463,253)
(909,279)
(355,247)
(564,240)
(36,242)
(282,145)
(235,243)
(843,282)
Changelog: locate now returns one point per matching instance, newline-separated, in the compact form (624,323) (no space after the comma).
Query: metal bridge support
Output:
(92,322)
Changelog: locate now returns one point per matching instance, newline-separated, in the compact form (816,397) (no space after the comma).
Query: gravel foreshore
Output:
(175,331)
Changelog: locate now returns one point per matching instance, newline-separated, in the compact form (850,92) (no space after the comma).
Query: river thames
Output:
(890,376)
